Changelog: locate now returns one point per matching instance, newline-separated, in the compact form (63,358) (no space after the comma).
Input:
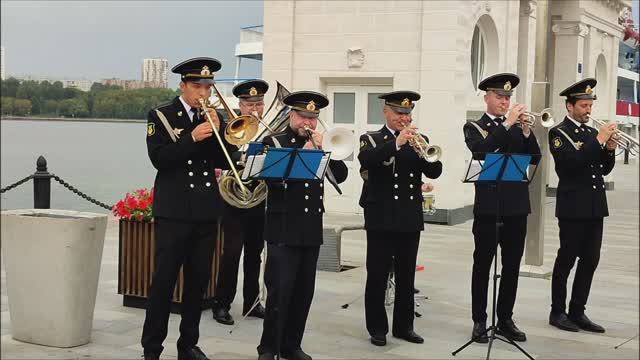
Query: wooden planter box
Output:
(136,264)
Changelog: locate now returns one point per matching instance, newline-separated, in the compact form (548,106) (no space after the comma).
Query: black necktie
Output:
(396,133)
(196,116)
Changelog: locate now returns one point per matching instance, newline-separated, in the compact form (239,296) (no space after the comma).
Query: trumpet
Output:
(545,116)
(430,153)
(624,140)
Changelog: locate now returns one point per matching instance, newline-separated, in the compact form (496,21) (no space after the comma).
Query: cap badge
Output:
(311,106)
(507,86)
(588,90)
(405,102)
(253,91)
(205,71)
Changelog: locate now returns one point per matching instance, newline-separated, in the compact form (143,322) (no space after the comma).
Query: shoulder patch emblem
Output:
(557,142)
(362,144)
(151,129)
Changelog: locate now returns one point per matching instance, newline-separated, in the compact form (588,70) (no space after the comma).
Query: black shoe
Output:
(151,357)
(479,333)
(583,322)
(222,316)
(411,337)
(379,340)
(257,311)
(509,329)
(296,354)
(562,322)
(266,356)
(192,354)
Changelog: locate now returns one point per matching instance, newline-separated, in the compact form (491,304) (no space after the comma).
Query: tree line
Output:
(33,98)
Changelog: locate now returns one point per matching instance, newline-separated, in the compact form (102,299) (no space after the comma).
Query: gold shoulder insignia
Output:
(579,144)
(151,129)
(177,132)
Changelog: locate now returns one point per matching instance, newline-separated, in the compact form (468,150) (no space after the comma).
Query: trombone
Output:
(239,131)
(624,140)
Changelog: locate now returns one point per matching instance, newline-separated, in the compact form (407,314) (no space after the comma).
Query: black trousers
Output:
(512,235)
(382,246)
(239,232)
(578,238)
(290,277)
(186,244)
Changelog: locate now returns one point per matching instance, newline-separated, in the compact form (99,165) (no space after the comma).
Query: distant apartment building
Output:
(154,72)
(2,65)
(84,85)
(127,84)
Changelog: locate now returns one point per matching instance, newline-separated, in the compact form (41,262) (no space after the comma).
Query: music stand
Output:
(285,165)
(498,168)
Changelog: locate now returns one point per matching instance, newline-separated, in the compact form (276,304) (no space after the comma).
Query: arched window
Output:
(477,56)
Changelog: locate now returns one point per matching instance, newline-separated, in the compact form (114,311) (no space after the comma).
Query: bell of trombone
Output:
(241,130)
(338,141)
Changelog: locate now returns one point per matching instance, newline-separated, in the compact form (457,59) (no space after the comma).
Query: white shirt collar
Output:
(492,117)
(393,132)
(572,120)
(187,108)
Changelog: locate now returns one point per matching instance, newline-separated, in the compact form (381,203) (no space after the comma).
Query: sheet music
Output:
(253,166)
(474,169)
(323,164)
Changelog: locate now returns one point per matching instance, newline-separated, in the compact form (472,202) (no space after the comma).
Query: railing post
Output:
(41,185)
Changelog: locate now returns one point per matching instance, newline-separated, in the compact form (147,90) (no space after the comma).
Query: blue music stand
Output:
(498,168)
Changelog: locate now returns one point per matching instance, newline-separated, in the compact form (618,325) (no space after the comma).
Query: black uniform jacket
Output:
(580,164)
(391,194)
(513,196)
(295,208)
(185,186)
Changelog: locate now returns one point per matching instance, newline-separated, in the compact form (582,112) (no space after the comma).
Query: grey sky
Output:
(105,39)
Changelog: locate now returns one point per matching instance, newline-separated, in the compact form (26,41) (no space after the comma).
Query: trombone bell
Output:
(241,130)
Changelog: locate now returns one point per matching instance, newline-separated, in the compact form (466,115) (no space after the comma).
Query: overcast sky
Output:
(105,39)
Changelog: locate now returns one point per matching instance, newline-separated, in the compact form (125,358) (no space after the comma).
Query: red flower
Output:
(136,205)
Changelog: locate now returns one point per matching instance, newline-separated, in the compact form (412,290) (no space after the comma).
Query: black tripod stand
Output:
(497,168)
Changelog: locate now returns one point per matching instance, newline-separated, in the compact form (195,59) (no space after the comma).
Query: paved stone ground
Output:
(445,251)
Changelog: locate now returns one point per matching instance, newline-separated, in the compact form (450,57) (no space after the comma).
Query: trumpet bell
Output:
(338,141)
(433,153)
(546,118)
(241,130)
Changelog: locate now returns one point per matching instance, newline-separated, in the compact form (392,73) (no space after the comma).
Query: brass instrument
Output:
(428,204)
(430,153)
(624,140)
(239,131)
(545,116)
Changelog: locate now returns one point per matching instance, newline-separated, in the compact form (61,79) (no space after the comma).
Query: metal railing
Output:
(42,187)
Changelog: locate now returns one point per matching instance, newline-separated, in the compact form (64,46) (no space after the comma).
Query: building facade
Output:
(354,50)
(154,71)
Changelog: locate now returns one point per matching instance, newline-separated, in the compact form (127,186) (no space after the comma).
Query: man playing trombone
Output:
(495,132)
(393,160)
(242,228)
(293,231)
(583,155)
(186,205)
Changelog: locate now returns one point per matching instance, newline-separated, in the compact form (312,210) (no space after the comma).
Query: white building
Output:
(354,50)
(83,84)
(2,64)
(155,71)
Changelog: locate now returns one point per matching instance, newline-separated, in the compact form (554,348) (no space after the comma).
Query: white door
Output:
(357,108)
